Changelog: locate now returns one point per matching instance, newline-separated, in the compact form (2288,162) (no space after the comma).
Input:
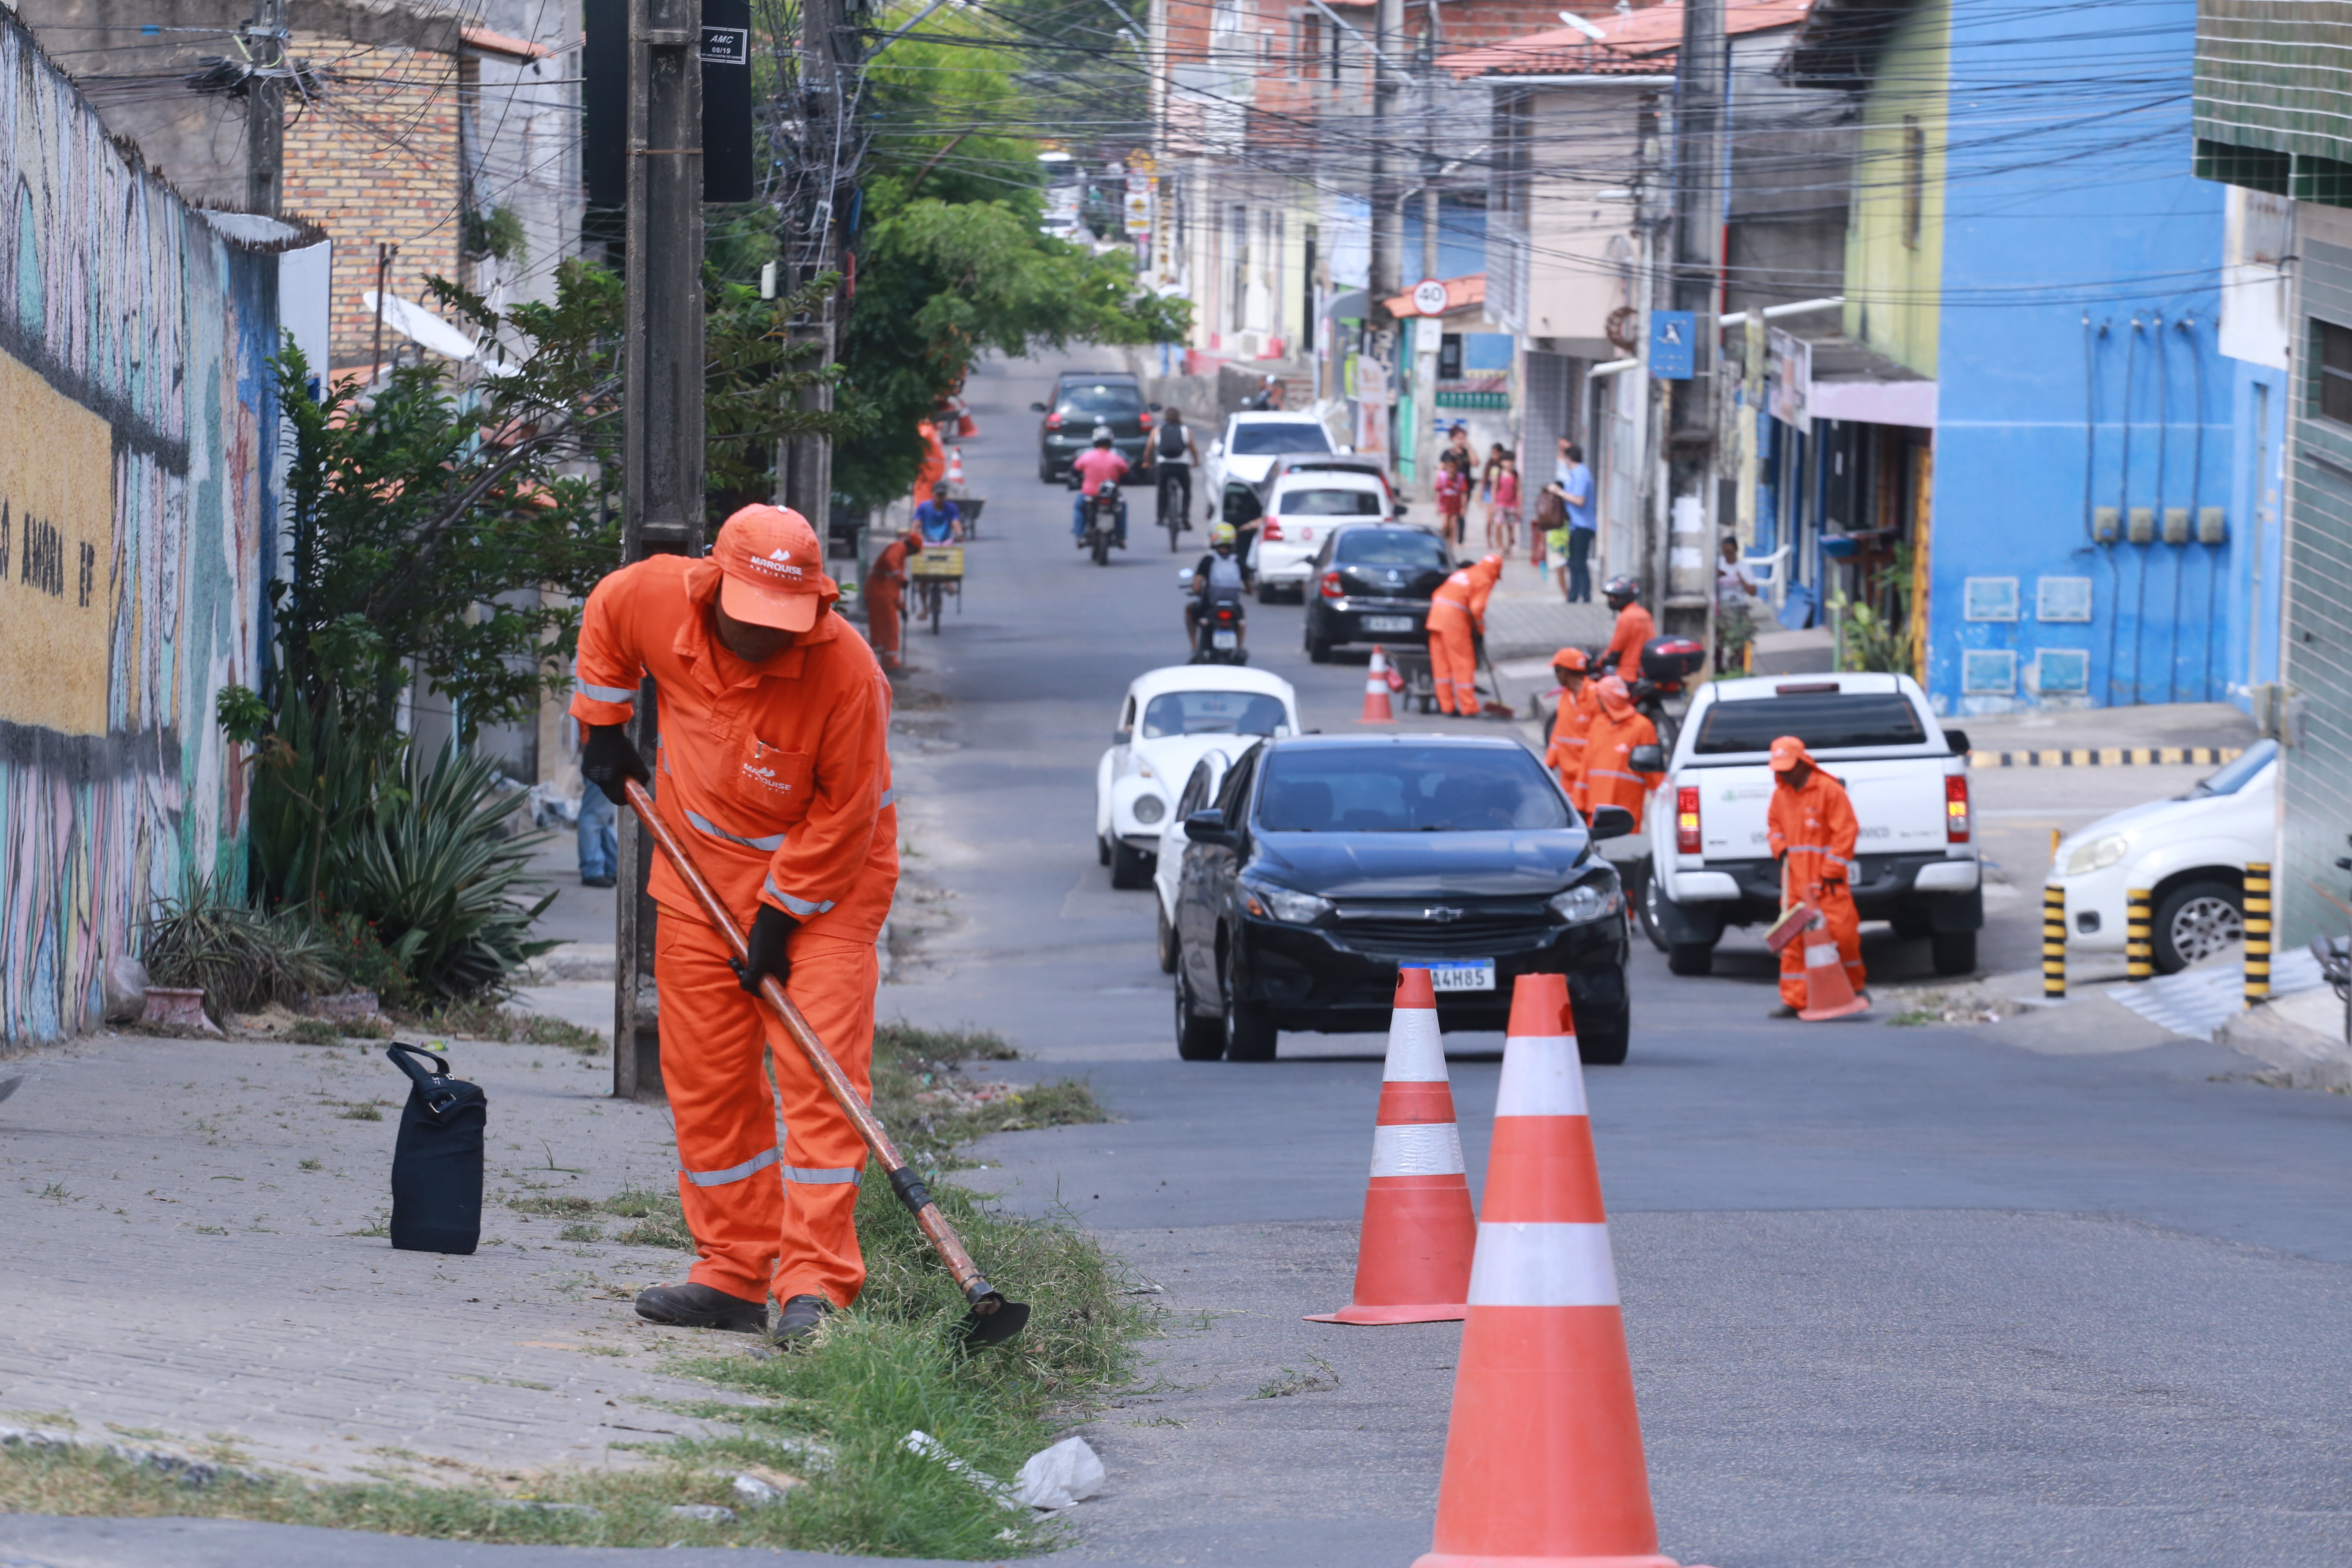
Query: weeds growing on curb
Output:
(485,1020)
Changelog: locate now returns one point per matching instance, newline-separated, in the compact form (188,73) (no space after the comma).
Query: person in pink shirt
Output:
(1099,463)
(1506,513)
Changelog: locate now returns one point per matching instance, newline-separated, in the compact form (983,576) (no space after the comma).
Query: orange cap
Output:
(1787,752)
(773,566)
(1570,659)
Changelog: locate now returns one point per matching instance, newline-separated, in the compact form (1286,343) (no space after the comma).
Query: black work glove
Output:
(771,930)
(609,758)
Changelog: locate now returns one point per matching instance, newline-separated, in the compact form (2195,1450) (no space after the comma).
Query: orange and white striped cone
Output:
(1376,691)
(1412,1256)
(955,467)
(1828,993)
(1543,1457)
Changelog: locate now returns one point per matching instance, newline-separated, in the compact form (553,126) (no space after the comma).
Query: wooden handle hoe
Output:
(992,1320)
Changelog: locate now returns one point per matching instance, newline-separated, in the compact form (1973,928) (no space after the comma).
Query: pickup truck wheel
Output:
(1955,951)
(1198,1039)
(1606,1046)
(1129,866)
(2194,922)
(1167,944)
(1690,958)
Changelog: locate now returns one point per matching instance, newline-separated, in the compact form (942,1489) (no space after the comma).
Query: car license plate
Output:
(1478,974)
(1224,639)
(1395,624)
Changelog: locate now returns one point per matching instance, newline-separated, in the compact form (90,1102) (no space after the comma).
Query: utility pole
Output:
(1684,574)
(1426,333)
(661,441)
(804,468)
(1388,219)
(265,108)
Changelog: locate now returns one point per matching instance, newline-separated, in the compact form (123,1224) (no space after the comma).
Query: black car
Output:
(1081,401)
(1327,862)
(1372,584)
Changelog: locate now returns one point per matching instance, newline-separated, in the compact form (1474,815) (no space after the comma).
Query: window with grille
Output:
(2334,358)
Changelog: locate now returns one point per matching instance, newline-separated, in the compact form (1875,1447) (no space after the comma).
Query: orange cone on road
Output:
(1376,693)
(1543,1457)
(1828,993)
(1412,1256)
(955,467)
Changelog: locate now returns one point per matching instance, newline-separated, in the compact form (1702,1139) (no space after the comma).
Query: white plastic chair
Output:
(1766,571)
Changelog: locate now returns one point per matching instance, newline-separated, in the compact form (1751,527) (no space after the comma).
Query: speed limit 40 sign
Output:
(1429,297)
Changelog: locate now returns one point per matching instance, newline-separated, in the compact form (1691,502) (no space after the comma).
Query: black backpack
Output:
(437,1163)
(1171,441)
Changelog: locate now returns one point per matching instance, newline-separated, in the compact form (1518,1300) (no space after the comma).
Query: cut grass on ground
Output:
(489,1021)
(834,1415)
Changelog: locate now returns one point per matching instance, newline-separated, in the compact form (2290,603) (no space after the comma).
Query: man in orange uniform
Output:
(1634,627)
(886,596)
(1457,619)
(1579,704)
(1608,777)
(773,771)
(1812,834)
(935,461)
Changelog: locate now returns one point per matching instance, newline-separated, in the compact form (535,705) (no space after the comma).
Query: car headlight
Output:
(1588,902)
(1149,808)
(2098,854)
(1288,905)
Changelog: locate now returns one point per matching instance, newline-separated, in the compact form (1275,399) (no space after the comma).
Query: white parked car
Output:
(1238,459)
(1170,719)
(2189,853)
(1199,792)
(1304,509)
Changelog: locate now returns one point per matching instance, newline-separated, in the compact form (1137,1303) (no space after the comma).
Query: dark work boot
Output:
(799,1317)
(700,1307)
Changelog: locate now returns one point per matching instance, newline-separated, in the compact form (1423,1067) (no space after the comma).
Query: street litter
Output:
(708,1512)
(1068,1473)
(931,1447)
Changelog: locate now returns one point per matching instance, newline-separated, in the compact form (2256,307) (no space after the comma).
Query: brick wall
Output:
(377,160)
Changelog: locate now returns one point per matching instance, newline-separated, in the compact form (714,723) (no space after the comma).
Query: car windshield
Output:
(1266,440)
(1328,504)
(2237,774)
(1408,789)
(1822,719)
(1212,713)
(1390,547)
(1108,398)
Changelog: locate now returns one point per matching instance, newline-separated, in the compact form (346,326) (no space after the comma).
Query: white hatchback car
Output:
(1251,442)
(1170,719)
(1305,510)
(1199,792)
(2189,853)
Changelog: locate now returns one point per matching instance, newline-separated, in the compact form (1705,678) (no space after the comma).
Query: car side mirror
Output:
(1217,448)
(1209,827)
(1122,737)
(1647,758)
(1401,508)
(1241,508)
(1612,821)
(1038,408)
(1958,741)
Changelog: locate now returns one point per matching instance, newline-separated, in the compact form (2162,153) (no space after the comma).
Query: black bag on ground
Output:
(436,1165)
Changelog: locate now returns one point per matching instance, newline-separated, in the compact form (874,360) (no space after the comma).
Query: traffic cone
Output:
(1543,1457)
(1828,994)
(955,467)
(1376,691)
(1412,1256)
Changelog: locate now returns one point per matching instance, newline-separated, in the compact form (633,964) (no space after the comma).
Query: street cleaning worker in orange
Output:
(1458,619)
(1579,704)
(773,770)
(886,596)
(1812,832)
(1608,777)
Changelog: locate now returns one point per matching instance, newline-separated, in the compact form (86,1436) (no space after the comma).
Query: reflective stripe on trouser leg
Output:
(711,1051)
(832,984)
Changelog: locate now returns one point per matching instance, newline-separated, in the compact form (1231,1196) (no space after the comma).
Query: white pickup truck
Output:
(1915,862)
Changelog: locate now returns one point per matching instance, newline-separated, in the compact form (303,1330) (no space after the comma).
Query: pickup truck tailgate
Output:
(1899,802)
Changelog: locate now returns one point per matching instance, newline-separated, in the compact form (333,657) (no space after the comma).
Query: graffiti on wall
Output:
(135,461)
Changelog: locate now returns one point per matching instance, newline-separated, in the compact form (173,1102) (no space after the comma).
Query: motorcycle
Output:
(1219,630)
(1102,520)
(1667,665)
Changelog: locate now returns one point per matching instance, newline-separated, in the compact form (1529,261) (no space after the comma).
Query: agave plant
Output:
(239,956)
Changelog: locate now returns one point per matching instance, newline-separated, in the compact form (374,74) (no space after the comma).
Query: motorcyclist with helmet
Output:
(1092,468)
(1218,578)
(1634,630)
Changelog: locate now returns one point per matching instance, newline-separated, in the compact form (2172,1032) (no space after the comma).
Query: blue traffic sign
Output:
(1673,343)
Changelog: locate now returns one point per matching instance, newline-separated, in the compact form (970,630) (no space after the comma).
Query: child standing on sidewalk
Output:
(1453,498)
(1506,513)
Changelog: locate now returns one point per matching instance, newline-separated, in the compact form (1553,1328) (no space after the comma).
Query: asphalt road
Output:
(1894,1295)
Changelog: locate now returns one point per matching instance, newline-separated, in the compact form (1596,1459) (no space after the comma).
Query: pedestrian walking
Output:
(1812,831)
(773,725)
(1575,482)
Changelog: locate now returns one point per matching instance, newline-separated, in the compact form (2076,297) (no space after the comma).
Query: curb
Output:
(2109,757)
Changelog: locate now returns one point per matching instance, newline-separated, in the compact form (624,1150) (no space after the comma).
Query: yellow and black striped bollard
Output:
(2258,932)
(2139,925)
(2053,943)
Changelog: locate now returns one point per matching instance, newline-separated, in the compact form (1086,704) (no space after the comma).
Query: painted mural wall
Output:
(136,451)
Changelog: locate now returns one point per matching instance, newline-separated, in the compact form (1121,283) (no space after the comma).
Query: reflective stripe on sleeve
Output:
(626,695)
(769,845)
(1542,1264)
(756,1163)
(1417,1149)
(889,799)
(792,905)
(852,1175)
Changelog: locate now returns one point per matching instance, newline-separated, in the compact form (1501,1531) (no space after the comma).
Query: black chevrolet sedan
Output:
(1328,861)
(1371,584)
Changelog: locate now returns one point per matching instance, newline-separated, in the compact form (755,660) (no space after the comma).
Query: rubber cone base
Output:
(1435,1313)
(1821,1014)
(1457,1559)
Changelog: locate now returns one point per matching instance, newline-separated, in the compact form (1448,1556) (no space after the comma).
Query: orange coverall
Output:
(935,461)
(1608,777)
(885,596)
(1571,730)
(1633,628)
(1812,824)
(1457,613)
(777,778)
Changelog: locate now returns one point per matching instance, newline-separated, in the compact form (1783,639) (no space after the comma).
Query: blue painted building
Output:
(2037,424)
